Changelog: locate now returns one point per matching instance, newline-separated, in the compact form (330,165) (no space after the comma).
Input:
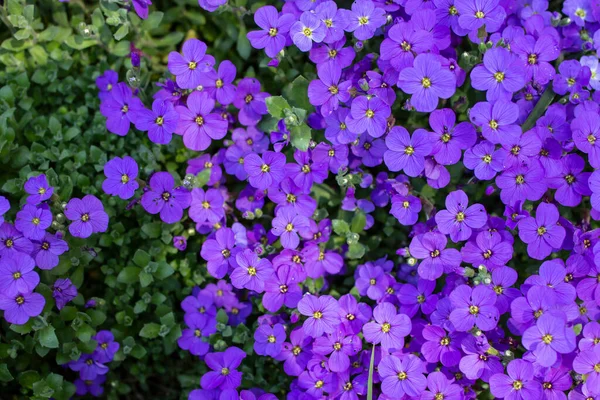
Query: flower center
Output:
(273,32)
(225,371)
(446,137)
(328,23)
(192,65)
(405,204)
(591,139)
(515,150)
(541,230)
(125,108)
(337,346)
(9,243)
(547,338)
(426,82)
(473,310)
(20,300)
(363,20)
(283,288)
(460,217)
(580,12)
(306,168)
(271,339)
(348,386)
(409,151)
(248,99)
(199,120)
(402,375)
(219,83)
(124,178)
(487,158)
(17,275)
(452,10)
(372,281)
(435,253)
(45,245)
(350,317)
(517,385)
(289,227)
(317,315)
(420,299)
(532,59)
(36,221)
(370,113)
(479,15)
(520,179)
(570,179)
(405,46)
(159,121)
(445,341)
(197,333)
(494,124)
(265,168)
(571,81)
(498,289)
(307,32)
(205,205)
(332,53)
(319,384)
(85,217)
(547,385)
(597,368)
(251,271)
(333,89)
(499,76)
(166,196)
(385,328)
(296,350)
(41,190)
(487,254)
(538,313)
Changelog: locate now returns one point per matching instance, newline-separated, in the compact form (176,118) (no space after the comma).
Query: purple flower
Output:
(107,347)
(487,249)
(17,275)
(88,216)
(364,19)
(334,53)
(586,135)
(22,306)
(478,363)
(340,347)
(206,206)
(547,337)
(164,198)
(105,83)
(282,289)
(274,30)
(591,334)
(542,233)
(268,340)
(4,207)
(484,160)
(305,172)
(368,115)
(63,292)
(572,77)
(223,365)
(536,56)
(288,195)
(402,377)
(307,30)
(250,101)
(211,5)
(141,7)
(160,122)
(265,170)
(587,363)
(333,20)
(402,43)
(458,220)
(427,81)
(353,314)
(38,189)
(431,248)
(189,67)
(322,313)
(441,346)
(180,243)
(441,387)
(93,387)
(121,174)
(194,338)
(12,242)
(473,306)
(286,225)
(520,183)
(571,183)
(450,139)
(389,328)
(407,153)
(327,91)
(219,84)
(218,251)
(501,74)
(371,281)
(120,108)
(296,353)
(496,120)
(251,272)
(406,209)
(198,124)
(33,221)
(475,14)
(89,368)
(46,251)
(519,384)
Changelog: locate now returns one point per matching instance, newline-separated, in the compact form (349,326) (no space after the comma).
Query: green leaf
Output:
(146,279)
(577,329)
(370,379)
(121,32)
(5,375)
(98,18)
(243,45)
(129,275)
(47,337)
(222,316)
(152,229)
(297,93)
(28,378)
(152,21)
(539,109)
(276,105)
(300,136)
(150,331)
(77,42)
(359,221)
(163,271)
(141,258)
(340,227)
(356,251)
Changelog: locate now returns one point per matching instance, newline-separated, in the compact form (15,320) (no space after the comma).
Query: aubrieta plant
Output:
(300,200)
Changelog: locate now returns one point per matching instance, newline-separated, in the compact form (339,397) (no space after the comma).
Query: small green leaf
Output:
(300,136)
(129,275)
(297,93)
(152,21)
(222,316)
(141,258)
(276,105)
(150,331)
(359,221)
(121,32)
(5,375)
(370,379)
(47,337)
(340,227)
(243,45)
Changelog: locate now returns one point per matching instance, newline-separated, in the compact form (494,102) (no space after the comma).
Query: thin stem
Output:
(540,108)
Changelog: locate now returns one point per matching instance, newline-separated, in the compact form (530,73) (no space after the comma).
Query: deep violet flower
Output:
(458,219)
(189,67)
(500,75)
(17,275)
(402,377)
(264,170)
(475,14)
(548,337)
(364,19)
(431,248)
(473,306)
(519,384)
(274,30)
(389,328)
(450,139)
(63,292)
(38,189)
(307,30)
(198,124)
(368,115)
(405,152)
(224,374)
(268,340)
(251,272)
(164,198)
(328,91)
(33,221)
(87,216)
(321,312)
(121,174)
(22,306)
(542,233)
(193,338)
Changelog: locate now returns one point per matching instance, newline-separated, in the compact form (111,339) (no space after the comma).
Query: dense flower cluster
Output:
(499,109)
(429,341)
